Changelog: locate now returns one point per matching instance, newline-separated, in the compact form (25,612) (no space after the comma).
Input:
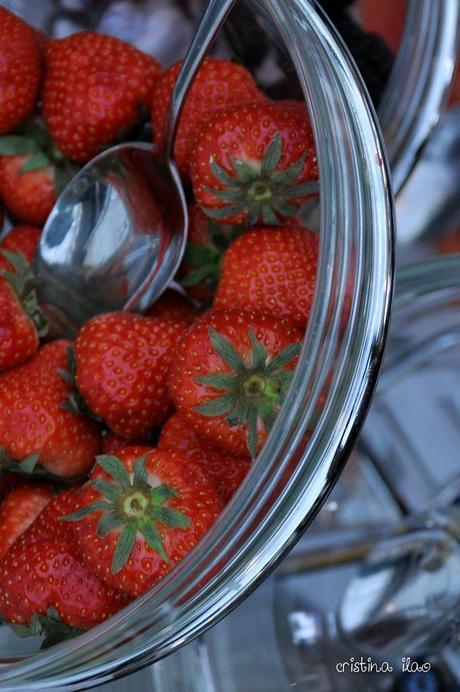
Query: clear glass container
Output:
(326,404)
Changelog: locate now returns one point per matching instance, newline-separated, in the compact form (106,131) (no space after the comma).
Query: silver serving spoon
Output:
(116,235)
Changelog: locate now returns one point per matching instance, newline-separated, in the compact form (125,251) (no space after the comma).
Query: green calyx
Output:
(203,262)
(75,402)
(27,466)
(33,142)
(261,193)
(30,466)
(131,506)
(24,282)
(48,626)
(255,388)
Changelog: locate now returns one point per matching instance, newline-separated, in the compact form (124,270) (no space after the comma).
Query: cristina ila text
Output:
(367,665)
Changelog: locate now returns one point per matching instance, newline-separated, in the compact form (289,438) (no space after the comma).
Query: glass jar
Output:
(325,405)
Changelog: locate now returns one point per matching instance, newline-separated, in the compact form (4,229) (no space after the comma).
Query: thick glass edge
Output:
(418,87)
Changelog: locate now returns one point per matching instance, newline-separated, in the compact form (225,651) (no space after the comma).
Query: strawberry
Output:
(206,242)
(20,70)
(227,471)
(28,195)
(95,89)
(35,425)
(141,513)
(33,172)
(21,322)
(122,369)
(46,590)
(230,376)
(20,239)
(218,85)
(175,307)
(47,525)
(255,163)
(44,587)
(270,270)
(19,509)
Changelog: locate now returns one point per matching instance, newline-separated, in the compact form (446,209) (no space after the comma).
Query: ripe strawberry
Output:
(207,240)
(19,509)
(173,306)
(95,89)
(47,525)
(270,270)
(122,369)
(21,322)
(255,163)
(218,85)
(29,195)
(63,597)
(227,471)
(33,172)
(20,239)
(141,513)
(230,376)
(21,70)
(35,425)
(46,588)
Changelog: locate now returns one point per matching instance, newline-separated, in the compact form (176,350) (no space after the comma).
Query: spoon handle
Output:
(210,25)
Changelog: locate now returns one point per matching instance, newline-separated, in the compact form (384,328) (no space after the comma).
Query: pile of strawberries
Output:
(119,450)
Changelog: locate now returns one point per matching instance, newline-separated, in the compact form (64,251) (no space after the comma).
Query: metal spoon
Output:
(116,235)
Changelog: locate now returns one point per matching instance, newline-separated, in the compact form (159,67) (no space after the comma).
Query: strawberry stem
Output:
(48,626)
(262,192)
(132,506)
(254,389)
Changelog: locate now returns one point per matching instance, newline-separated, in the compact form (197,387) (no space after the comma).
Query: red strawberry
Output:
(270,270)
(20,70)
(206,242)
(230,376)
(173,306)
(32,173)
(122,369)
(255,163)
(47,525)
(20,239)
(140,514)
(21,322)
(36,426)
(46,587)
(28,195)
(227,471)
(218,85)
(19,509)
(95,89)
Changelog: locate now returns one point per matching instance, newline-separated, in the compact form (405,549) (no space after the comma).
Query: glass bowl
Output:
(325,405)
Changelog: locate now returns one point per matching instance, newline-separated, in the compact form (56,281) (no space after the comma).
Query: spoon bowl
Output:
(114,239)
(116,235)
